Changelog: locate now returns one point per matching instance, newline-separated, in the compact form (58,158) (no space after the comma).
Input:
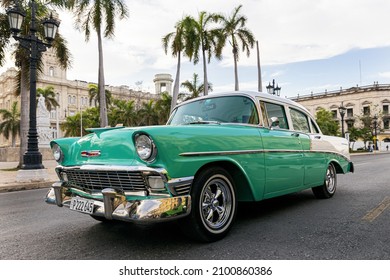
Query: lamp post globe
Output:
(50,26)
(15,18)
(272,89)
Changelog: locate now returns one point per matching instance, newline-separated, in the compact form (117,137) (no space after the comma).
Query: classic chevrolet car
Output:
(214,151)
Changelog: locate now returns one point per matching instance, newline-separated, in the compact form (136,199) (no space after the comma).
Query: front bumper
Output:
(113,205)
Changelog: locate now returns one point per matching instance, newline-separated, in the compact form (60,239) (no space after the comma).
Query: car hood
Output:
(102,146)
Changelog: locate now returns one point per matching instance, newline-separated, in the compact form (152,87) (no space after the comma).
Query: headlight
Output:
(145,147)
(57,153)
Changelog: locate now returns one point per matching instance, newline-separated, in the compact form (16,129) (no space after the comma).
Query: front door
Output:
(284,160)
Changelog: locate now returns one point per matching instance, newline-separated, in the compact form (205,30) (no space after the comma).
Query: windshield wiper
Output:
(205,122)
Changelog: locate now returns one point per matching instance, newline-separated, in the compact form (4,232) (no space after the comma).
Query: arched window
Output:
(51,71)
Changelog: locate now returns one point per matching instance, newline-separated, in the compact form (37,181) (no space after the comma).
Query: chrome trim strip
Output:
(330,152)
(114,168)
(243,152)
(220,153)
(181,181)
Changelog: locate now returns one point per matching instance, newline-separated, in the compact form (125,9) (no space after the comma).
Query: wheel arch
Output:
(243,187)
(337,166)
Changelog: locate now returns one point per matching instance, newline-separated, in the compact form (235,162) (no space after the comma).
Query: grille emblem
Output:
(90,153)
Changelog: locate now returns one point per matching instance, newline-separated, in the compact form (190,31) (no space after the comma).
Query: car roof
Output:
(251,94)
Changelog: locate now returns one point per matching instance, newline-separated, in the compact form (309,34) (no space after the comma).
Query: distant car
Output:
(214,151)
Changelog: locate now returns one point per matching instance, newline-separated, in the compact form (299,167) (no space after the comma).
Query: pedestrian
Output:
(387,147)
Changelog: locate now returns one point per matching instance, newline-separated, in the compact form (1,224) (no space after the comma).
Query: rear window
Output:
(270,110)
(299,121)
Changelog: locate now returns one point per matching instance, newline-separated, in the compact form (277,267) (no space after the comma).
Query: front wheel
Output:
(214,206)
(328,189)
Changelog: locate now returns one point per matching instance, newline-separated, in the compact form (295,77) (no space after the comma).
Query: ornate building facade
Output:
(72,96)
(372,100)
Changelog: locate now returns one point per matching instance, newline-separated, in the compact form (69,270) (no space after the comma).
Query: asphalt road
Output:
(354,224)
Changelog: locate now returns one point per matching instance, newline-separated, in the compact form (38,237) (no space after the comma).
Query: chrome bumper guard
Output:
(115,206)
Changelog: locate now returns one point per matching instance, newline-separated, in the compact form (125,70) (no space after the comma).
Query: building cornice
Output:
(353,90)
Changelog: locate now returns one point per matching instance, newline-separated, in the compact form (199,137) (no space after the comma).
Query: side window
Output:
(270,110)
(299,121)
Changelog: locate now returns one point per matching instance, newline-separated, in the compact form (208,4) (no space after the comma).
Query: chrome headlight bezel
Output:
(145,147)
(57,153)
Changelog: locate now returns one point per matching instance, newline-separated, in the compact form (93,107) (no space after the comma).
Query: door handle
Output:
(296,134)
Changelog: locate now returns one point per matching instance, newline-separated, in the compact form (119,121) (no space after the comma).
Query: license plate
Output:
(81,205)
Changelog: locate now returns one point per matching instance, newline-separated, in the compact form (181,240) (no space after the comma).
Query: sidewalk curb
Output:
(25,186)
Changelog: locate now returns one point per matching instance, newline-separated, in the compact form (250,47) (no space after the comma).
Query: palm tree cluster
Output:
(97,16)
(121,112)
(198,39)
(206,37)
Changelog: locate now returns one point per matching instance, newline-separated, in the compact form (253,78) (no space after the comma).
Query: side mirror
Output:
(274,122)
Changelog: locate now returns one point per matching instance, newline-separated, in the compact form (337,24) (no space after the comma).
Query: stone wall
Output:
(10,154)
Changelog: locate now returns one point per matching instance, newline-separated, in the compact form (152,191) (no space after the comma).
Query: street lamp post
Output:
(271,89)
(342,111)
(32,159)
(375,118)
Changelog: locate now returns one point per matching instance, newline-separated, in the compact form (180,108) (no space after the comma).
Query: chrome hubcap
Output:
(330,179)
(216,203)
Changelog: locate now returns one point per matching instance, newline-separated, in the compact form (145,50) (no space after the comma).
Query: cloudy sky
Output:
(304,45)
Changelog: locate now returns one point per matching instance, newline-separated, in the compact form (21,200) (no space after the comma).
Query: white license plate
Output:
(81,205)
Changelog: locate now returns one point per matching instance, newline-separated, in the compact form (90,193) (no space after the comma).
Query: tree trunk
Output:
(24,113)
(101,85)
(236,88)
(175,93)
(205,80)
(13,141)
(260,82)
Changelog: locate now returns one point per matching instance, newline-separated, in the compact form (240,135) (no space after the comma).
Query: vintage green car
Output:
(214,151)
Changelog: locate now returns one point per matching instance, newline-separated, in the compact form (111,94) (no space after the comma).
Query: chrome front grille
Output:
(96,180)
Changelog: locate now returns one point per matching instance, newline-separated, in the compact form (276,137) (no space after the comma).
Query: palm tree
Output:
(235,31)
(147,113)
(10,123)
(59,45)
(179,42)
(50,97)
(163,106)
(92,15)
(5,33)
(194,88)
(206,40)
(72,125)
(93,92)
(123,112)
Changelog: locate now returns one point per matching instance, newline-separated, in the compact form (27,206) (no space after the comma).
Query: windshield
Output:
(227,109)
